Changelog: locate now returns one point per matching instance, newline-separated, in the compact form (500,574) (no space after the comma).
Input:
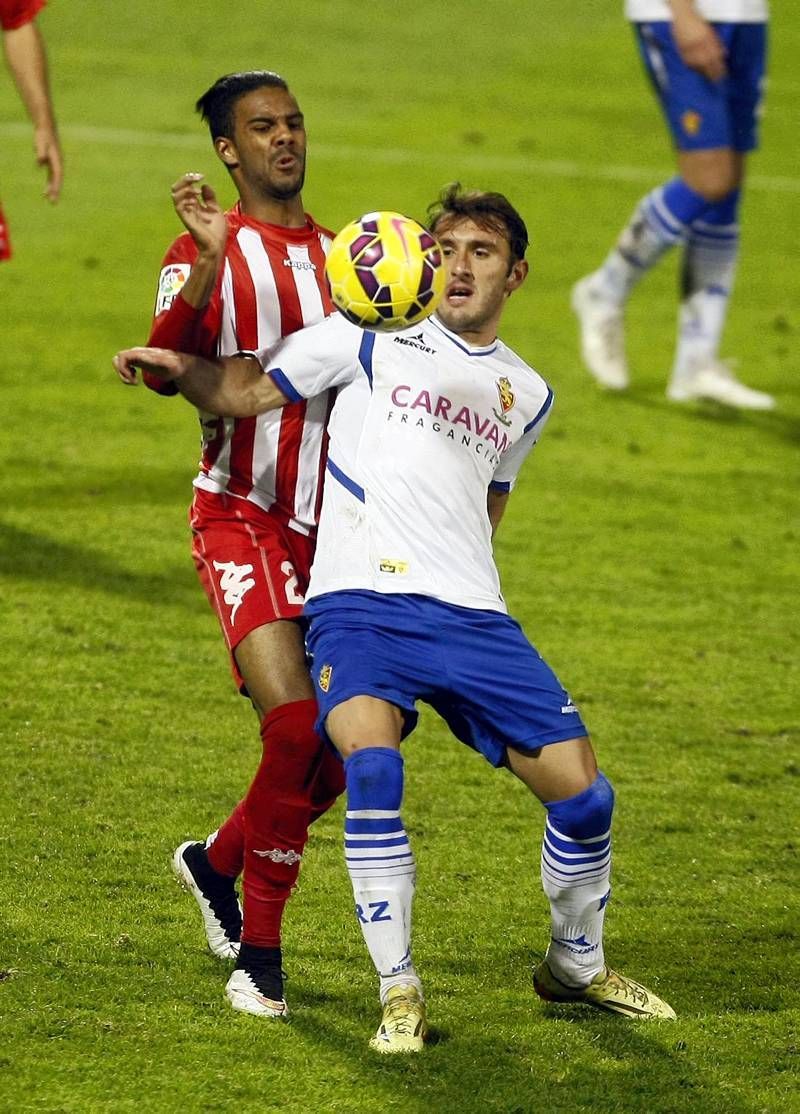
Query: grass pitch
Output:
(650,551)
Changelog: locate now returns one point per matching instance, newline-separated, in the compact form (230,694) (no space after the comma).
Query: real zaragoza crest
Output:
(507,400)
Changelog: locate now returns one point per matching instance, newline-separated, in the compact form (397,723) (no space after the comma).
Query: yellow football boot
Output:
(403,1027)
(607,991)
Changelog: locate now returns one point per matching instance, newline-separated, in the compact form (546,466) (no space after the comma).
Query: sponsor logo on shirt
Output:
(388,564)
(416,342)
(324,679)
(300,264)
(233,584)
(170,284)
(477,431)
(507,400)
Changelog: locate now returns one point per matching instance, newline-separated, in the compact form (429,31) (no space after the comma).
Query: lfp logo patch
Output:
(324,679)
(170,284)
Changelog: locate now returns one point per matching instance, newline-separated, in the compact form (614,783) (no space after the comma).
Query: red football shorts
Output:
(253,568)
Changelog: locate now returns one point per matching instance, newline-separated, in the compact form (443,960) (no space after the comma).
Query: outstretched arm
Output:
(234,387)
(27,61)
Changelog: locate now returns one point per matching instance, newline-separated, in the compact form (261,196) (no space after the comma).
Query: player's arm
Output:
(235,387)
(27,61)
(699,46)
(307,363)
(496,502)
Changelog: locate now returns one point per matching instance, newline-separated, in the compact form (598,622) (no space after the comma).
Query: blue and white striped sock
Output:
(709,268)
(576,871)
(380,862)
(660,220)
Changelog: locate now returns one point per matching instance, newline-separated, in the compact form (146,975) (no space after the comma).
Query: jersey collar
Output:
(470,350)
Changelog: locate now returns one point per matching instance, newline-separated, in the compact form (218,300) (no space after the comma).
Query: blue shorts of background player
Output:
(703,114)
(475,668)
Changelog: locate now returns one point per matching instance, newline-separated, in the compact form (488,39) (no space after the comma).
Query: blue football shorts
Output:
(475,668)
(703,114)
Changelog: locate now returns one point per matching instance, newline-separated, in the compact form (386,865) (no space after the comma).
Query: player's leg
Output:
(662,218)
(361,675)
(277,807)
(712,246)
(575,871)
(537,732)
(380,862)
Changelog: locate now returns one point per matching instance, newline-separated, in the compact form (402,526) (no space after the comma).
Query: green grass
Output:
(650,551)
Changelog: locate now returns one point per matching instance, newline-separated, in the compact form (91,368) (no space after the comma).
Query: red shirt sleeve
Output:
(176,324)
(16,13)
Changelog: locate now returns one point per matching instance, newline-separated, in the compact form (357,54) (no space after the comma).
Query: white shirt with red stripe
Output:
(272,284)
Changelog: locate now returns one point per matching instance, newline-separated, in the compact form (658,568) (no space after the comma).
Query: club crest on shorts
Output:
(507,400)
(324,679)
(691,121)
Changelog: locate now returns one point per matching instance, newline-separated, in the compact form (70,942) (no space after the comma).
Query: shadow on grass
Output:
(25,555)
(604,1063)
(783,427)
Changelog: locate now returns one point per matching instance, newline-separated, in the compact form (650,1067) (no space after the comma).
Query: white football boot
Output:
(602,328)
(716,381)
(215,896)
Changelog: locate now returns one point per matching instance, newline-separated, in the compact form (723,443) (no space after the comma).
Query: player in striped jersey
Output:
(237,281)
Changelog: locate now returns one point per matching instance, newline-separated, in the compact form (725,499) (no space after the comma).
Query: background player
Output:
(706,61)
(405,604)
(234,281)
(26,58)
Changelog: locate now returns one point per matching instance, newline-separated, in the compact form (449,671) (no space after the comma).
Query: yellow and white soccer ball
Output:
(385,271)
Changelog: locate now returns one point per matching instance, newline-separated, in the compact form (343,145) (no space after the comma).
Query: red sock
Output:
(226,853)
(328,784)
(277,811)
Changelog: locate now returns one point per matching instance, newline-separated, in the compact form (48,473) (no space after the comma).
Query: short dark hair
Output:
(217,104)
(490,210)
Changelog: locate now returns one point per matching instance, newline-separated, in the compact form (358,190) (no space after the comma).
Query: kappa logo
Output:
(417,341)
(324,679)
(300,264)
(289,857)
(507,400)
(233,584)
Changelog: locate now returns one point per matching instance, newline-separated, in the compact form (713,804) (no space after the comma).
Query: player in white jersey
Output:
(234,281)
(430,428)
(706,62)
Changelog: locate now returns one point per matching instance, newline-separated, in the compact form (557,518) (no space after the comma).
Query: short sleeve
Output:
(312,360)
(506,472)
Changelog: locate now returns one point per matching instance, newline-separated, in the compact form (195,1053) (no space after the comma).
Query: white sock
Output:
(709,267)
(576,878)
(380,862)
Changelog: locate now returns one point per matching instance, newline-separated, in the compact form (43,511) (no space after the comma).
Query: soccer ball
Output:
(385,272)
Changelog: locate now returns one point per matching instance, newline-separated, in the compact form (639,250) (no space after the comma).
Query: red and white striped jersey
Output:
(272,283)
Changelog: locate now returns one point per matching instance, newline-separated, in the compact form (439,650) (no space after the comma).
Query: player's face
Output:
(480,276)
(268,150)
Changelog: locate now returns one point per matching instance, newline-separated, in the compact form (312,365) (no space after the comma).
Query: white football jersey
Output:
(422,427)
(716,11)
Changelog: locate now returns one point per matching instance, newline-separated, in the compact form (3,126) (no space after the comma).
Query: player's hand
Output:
(699,45)
(197,206)
(161,362)
(48,155)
